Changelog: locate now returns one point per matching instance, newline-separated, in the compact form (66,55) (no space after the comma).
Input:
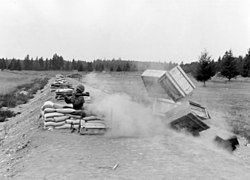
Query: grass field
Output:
(9,80)
(231,99)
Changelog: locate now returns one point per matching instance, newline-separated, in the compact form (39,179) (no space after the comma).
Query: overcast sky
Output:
(149,30)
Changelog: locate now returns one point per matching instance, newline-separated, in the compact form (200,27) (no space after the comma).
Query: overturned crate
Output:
(183,116)
(190,123)
(168,88)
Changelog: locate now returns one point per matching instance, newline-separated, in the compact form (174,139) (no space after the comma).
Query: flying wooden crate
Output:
(173,84)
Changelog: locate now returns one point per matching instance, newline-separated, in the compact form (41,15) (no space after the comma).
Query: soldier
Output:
(77,98)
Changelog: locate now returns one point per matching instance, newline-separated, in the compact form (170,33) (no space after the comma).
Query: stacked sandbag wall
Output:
(57,116)
(60,82)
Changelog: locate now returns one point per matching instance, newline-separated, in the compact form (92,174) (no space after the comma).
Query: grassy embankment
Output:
(17,88)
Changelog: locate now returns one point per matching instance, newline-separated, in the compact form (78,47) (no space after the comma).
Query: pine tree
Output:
(126,67)
(41,63)
(31,64)
(67,66)
(26,63)
(46,65)
(11,66)
(205,69)
(18,65)
(228,66)
(80,67)
(119,69)
(2,64)
(246,65)
(89,66)
(74,65)
(36,65)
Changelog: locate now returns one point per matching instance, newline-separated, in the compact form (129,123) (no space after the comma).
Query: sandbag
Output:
(54,114)
(61,118)
(81,113)
(49,110)
(47,104)
(74,116)
(67,126)
(54,123)
(76,126)
(48,127)
(64,91)
(42,113)
(89,125)
(61,106)
(59,97)
(96,121)
(49,120)
(65,110)
(90,130)
(74,121)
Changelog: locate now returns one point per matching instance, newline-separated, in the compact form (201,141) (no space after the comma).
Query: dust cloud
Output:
(127,118)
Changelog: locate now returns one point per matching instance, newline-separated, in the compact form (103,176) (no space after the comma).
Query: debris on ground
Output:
(23,146)
(230,144)
(109,167)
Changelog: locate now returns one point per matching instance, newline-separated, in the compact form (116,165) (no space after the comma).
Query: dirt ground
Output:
(29,152)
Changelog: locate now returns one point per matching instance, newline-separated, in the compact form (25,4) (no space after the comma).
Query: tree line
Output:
(57,62)
(227,66)
(203,69)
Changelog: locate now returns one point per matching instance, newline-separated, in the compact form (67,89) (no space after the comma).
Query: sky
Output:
(144,30)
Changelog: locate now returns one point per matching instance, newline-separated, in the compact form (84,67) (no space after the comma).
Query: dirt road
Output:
(29,152)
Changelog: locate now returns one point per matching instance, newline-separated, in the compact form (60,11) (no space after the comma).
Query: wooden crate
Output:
(151,80)
(173,84)
(189,122)
(177,84)
(199,110)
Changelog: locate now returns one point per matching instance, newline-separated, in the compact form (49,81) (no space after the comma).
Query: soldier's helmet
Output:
(80,88)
